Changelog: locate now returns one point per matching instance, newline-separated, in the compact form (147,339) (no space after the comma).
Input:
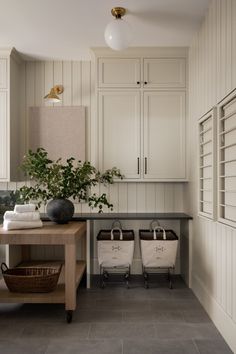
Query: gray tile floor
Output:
(114,321)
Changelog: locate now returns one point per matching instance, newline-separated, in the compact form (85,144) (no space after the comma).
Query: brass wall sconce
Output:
(52,96)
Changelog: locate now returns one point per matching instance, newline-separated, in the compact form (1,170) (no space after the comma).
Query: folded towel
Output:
(29,216)
(24,208)
(17,225)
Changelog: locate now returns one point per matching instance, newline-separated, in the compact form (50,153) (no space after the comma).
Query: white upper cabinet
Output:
(3,73)
(122,72)
(164,72)
(164,135)
(10,118)
(3,136)
(119,122)
(141,112)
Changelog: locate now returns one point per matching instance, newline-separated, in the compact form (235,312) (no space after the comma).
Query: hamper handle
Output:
(4,267)
(121,233)
(118,223)
(152,223)
(159,228)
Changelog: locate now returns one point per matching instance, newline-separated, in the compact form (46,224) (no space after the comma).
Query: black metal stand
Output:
(146,275)
(104,276)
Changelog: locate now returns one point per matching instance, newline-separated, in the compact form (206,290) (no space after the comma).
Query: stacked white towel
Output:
(23,217)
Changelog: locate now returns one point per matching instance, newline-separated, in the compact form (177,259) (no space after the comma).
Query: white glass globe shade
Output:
(118,34)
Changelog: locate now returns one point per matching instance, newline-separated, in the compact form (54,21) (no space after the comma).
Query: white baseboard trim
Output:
(223,322)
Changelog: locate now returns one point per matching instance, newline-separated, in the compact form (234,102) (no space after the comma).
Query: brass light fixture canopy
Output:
(118,12)
(118,33)
(52,96)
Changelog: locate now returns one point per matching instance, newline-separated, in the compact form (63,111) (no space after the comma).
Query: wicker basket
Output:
(31,279)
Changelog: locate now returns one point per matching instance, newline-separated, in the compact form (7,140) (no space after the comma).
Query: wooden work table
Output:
(67,235)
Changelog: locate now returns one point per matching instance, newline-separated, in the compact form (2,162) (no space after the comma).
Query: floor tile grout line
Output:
(89,331)
(195,345)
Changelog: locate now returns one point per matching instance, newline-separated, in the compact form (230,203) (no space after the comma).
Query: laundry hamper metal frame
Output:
(106,249)
(158,239)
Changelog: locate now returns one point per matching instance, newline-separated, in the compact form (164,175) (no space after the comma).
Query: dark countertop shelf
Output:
(128,216)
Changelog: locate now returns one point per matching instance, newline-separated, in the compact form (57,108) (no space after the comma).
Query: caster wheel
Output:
(126,275)
(105,275)
(69,315)
(103,285)
(146,285)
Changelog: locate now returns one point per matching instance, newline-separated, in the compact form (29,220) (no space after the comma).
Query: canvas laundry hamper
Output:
(158,250)
(115,250)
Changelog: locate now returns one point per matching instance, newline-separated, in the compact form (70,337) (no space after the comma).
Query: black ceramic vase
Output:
(60,210)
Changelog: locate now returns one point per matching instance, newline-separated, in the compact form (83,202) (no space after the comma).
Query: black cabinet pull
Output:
(145,82)
(138,164)
(138,82)
(145,165)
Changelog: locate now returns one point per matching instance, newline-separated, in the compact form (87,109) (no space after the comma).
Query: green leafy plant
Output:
(55,180)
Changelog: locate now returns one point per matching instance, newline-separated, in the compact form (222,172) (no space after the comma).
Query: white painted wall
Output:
(212,70)
(77,79)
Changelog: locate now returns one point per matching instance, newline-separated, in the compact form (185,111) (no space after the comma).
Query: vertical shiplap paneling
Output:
(123,197)
(48,79)
(223,49)
(233,277)
(233,43)
(224,237)
(132,197)
(39,83)
(169,197)
(141,198)
(228,21)
(160,197)
(214,58)
(67,83)
(178,197)
(219,55)
(204,67)
(22,112)
(150,197)
(86,101)
(30,94)
(229,283)
(58,77)
(212,66)
(114,196)
(76,83)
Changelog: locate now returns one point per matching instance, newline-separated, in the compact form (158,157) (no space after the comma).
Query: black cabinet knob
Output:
(138,82)
(145,82)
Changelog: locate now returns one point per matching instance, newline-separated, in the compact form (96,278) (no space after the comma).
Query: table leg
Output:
(88,255)
(186,250)
(70,277)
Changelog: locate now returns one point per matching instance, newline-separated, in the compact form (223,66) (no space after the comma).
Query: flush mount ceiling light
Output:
(118,33)
(52,96)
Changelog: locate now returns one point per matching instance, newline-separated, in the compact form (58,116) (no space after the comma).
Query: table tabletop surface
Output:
(50,233)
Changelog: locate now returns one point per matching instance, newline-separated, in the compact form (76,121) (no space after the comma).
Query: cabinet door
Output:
(3,73)
(3,136)
(164,135)
(122,72)
(164,72)
(119,133)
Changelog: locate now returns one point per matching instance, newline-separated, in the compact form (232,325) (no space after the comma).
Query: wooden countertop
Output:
(50,234)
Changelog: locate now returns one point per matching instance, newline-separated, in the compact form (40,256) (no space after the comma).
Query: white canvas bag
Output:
(115,253)
(159,253)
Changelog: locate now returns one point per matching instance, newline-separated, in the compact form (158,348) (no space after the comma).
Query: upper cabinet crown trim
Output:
(147,52)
